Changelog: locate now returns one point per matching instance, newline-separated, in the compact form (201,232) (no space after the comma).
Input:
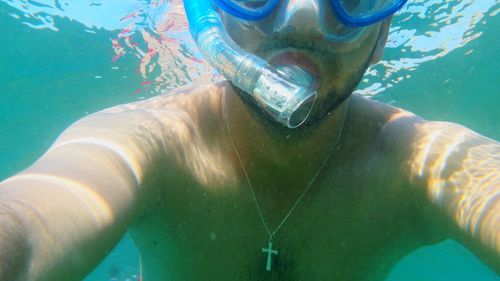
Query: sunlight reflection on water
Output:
(156,32)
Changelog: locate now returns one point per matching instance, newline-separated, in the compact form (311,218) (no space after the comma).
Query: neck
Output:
(267,149)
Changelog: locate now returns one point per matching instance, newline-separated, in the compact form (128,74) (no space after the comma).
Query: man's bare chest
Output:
(331,235)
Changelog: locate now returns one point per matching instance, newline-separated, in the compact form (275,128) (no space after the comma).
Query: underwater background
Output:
(62,59)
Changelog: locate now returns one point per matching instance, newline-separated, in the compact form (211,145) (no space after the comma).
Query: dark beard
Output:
(335,97)
(321,111)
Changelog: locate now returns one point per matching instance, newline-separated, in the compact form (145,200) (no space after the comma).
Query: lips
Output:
(296,58)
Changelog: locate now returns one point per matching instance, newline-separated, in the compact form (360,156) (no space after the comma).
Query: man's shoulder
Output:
(394,121)
(189,105)
(374,110)
(399,131)
(188,97)
(405,136)
(385,123)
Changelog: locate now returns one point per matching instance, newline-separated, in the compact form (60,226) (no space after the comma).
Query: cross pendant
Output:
(269,252)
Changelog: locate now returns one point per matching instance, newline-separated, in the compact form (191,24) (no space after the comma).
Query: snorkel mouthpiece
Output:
(286,93)
(287,101)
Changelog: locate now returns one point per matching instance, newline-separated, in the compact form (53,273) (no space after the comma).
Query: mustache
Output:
(318,47)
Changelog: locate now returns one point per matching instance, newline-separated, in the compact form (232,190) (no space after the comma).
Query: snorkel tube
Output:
(286,94)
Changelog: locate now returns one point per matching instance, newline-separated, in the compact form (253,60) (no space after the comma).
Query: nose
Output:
(301,17)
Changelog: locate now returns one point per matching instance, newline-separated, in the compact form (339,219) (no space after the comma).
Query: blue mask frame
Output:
(349,20)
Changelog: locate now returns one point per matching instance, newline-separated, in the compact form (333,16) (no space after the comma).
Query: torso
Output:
(359,218)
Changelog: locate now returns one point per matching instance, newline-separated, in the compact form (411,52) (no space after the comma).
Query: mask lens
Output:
(365,8)
(247,9)
(250,4)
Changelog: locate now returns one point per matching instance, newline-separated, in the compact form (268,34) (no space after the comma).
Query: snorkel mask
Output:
(286,93)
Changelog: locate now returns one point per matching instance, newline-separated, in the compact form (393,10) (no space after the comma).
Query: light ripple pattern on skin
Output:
(95,204)
(461,191)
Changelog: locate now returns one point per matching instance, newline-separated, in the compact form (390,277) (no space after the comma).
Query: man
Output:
(215,185)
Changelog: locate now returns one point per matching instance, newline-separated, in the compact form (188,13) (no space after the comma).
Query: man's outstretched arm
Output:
(62,215)
(460,170)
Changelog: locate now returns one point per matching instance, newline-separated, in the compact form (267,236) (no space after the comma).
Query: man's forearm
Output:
(65,213)
(14,247)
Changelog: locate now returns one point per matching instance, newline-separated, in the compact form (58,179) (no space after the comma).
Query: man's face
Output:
(300,32)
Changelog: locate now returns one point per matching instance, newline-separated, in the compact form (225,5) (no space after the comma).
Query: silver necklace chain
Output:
(271,234)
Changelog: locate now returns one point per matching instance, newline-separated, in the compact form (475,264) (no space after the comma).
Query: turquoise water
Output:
(60,60)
